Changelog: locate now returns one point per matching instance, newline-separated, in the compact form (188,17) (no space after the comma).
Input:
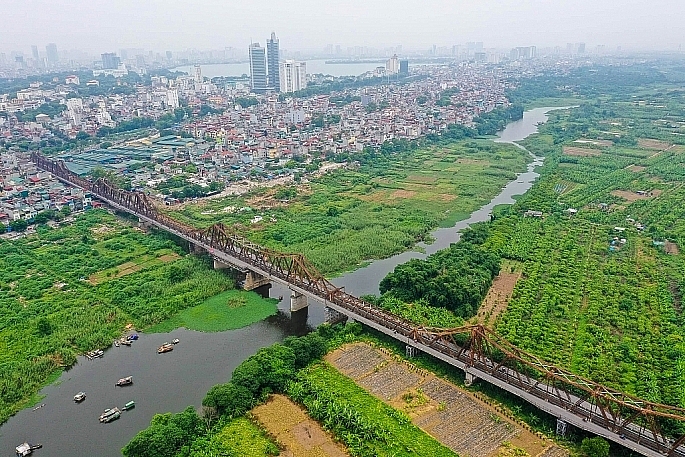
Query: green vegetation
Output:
(50,311)
(595,447)
(456,278)
(240,438)
(227,311)
(366,425)
(384,206)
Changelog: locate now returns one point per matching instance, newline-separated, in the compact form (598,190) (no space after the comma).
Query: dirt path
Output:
(467,425)
(497,299)
(293,428)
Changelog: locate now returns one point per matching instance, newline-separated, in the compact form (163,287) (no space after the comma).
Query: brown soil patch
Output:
(102,229)
(472,162)
(581,152)
(400,193)
(130,267)
(497,299)
(671,248)
(292,427)
(446,197)
(455,417)
(634,196)
(422,179)
(606,143)
(647,143)
(636,168)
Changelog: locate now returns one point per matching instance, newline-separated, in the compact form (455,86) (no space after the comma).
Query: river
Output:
(313,67)
(172,381)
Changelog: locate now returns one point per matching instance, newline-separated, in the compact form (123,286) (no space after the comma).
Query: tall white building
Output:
(392,66)
(172,98)
(293,75)
(198,74)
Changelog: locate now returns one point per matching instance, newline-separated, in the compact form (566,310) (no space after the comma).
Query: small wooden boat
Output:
(125,381)
(116,343)
(79,397)
(166,347)
(132,337)
(129,405)
(175,341)
(27,449)
(110,414)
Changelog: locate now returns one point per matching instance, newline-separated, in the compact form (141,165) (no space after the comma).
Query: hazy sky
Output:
(99,25)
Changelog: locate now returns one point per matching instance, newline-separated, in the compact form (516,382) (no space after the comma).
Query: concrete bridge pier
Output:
(298,301)
(333,317)
(469,379)
(254,281)
(263,291)
(219,265)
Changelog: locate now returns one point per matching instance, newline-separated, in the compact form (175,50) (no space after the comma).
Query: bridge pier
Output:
(469,379)
(196,250)
(254,280)
(562,427)
(219,265)
(333,317)
(298,301)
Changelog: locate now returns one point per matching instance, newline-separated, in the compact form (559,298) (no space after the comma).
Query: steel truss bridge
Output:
(482,354)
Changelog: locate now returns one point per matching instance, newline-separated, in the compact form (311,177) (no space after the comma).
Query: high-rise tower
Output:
(257,68)
(273,58)
(52,55)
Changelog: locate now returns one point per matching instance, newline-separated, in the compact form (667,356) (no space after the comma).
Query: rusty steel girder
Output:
(475,345)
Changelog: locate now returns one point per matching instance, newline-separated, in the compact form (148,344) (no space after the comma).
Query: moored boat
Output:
(125,381)
(175,341)
(132,337)
(27,449)
(129,405)
(166,347)
(110,415)
(79,397)
(126,342)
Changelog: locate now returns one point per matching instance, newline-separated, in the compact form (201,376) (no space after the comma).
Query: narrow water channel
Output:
(172,381)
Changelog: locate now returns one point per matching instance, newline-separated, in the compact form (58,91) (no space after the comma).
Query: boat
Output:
(95,354)
(79,397)
(27,449)
(166,347)
(116,343)
(129,405)
(175,341)
(126,342)
(110,414)
(125,381)
(38,407)
(132,337)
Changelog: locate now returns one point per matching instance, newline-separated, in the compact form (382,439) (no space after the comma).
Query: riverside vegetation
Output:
(68,290)
(359,420)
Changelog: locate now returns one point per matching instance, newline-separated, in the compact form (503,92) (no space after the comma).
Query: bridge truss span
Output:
(625,419)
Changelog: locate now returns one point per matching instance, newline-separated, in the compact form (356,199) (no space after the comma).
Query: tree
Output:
(270,369)
(65,211)
(19,225)
(82,135)
(229,399)
(595,447)
(43,327)
(306,348)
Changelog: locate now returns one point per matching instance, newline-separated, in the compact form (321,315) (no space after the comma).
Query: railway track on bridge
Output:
(625,419)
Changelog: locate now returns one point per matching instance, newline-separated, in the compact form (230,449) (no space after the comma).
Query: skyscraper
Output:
(404,67)
(110,61)
(34,51)
(293,76)
(392,66)
(273,58)
(257,68)
(198,74)
(52,55)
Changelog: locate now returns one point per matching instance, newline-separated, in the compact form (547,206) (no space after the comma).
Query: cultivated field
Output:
(498,297)
(581,152)
(647,143)
(453,416)
(295,430)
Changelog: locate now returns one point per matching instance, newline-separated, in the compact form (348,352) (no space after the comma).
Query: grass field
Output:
(241,437)
(227,311)
(350,216)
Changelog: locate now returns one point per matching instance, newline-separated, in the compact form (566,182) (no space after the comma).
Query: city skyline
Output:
(306,25)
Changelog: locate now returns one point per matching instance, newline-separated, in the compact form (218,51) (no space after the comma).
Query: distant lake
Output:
(313,67)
